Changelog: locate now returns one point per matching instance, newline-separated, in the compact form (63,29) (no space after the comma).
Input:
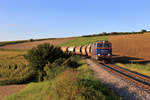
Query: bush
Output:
(39,56)
(58,66)
(31,40)
(143,30)
(42,54)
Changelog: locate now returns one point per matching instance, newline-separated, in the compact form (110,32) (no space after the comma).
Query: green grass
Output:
(140,68)
(14,67)
(84,40)
(72,84)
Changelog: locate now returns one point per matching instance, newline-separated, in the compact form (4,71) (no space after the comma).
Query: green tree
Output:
(39,56)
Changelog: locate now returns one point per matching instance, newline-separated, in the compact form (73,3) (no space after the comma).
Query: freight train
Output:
(100,50)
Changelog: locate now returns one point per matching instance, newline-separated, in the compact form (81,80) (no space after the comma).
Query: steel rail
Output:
(125,75)
(135,75)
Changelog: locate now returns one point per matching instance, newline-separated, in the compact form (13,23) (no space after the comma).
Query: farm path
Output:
(10,89)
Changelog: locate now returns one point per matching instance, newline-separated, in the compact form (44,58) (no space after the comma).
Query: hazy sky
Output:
(25,19)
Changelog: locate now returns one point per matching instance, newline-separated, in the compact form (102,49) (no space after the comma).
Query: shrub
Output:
(42,54)
(39,56)
(31,40)
(143,30)
(58,66)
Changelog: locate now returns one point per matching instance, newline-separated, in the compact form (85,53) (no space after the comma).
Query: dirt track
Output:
(7,90)
(29,45)
(137,46)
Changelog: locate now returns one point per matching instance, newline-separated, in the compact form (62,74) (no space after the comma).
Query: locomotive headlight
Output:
(99,54)
(108,54)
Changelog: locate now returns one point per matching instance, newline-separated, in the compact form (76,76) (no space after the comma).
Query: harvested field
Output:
(29,45)
(132,47)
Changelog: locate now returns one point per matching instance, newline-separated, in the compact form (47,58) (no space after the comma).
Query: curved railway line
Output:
(138,79)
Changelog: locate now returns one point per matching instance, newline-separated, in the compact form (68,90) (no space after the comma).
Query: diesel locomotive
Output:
(100,50)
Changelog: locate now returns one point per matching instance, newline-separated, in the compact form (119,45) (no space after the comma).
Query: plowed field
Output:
(135,46)
(29,45)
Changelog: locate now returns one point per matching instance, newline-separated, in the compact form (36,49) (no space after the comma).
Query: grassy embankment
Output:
(84,40)
(72,84)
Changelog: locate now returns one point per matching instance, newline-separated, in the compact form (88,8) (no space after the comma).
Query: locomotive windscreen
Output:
(102,45)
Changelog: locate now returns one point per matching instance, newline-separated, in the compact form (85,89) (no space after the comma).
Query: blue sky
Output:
(25,19)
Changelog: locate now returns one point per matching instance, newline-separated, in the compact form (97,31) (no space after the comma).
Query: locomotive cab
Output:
(102,50)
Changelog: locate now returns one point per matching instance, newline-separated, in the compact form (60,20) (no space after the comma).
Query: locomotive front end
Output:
(102,50)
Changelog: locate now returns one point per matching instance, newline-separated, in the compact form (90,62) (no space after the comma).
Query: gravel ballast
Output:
(123,88)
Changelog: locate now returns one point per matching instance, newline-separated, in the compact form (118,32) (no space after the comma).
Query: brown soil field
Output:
(29,45)
(7,90)
(131,47)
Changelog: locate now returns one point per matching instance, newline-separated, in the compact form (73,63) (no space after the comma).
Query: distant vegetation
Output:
(84,40)
(115,33)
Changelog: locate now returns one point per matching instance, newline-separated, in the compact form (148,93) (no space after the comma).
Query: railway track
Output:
(138,79)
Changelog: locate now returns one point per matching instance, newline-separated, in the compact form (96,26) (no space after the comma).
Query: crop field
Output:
(137,46)
(84,40)
(29,45)
(13,67)
(132,52)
